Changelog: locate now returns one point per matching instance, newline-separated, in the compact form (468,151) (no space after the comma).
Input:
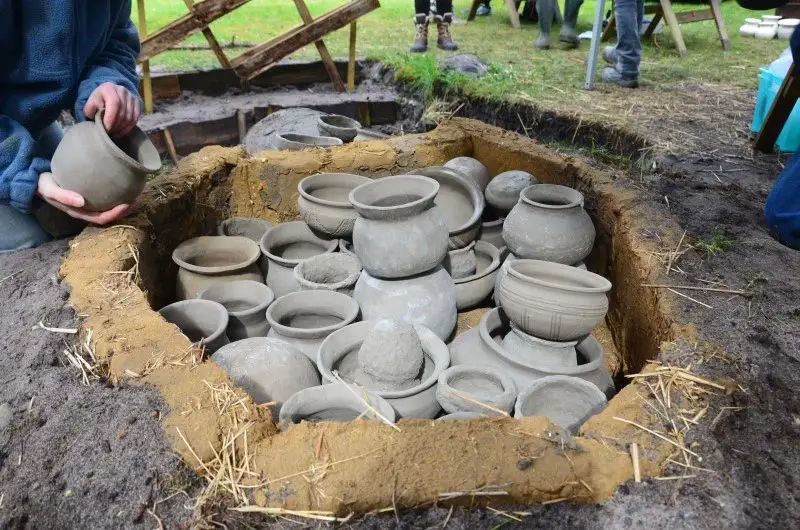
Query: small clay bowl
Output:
(298,142)
(340,127)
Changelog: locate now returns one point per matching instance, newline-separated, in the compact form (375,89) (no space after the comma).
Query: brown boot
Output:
(445,41)
(421,39)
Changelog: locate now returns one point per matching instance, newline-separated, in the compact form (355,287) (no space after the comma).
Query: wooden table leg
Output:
(147,82)
(674,27)
(652,26)
(778,113)
(351,58)
(327,60)
(513,15)
(721,29)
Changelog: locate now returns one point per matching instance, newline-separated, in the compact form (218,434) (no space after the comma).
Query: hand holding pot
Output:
(72,203)
(122,109)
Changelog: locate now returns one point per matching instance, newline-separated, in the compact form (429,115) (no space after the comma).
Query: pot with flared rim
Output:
(246,302)
(334,402)
(202,321)
(208,260)
(324,203)
(520,345)
(472,290)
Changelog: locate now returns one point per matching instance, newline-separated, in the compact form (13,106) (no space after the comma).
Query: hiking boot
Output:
(445,41)
(543,42)
(612,75)
(484,10)
(568,34)
(569,37)
(610,55)
(421,38)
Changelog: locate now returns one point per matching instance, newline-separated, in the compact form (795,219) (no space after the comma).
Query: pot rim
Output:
(348,281)
(320,177)
(483,247)
(122,155)
(226,223)
(295,139)
(351,311)
(253,285)
(181,262)
(354,124)
(547,380)
(211,305)
(328,244)
(521,270)
(544,342)
(486,372)
(332,395)
(476,196)
(408,208)
(573,196)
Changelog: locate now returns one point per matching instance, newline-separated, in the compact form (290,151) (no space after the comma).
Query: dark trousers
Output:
(423,7)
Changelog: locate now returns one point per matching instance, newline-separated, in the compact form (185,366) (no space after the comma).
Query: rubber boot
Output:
(568,34)
(421,38)
(545,8)
(445,41)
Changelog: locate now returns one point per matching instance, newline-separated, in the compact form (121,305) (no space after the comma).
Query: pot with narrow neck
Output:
(324,204)
(208,260)
(202,321)
(246,302)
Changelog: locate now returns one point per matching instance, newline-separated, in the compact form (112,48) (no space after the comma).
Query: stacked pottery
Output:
(246,302)
(209,260)
(502,193)
(401,238)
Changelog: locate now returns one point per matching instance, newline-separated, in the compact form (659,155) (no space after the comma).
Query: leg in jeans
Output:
(628,14)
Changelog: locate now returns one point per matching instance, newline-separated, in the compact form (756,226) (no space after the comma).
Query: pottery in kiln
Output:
(341,127)
(251,228)
(492,228)
(474,289)
(105,171)
(324,203)
(334,402)
(391,356)
(286,245)
(267,369)
(466,388)
(336,271)
(461,416)
(550,224)
(208,260)
(246,302)
(566,401)
(202,321)
(428,299)
(339,352)
(548,354)
(461,262)
(471,168)
(503,191)
(399,231)
(298,142)
(304,318)
(505,260)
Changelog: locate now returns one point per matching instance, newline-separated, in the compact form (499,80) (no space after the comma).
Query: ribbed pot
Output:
(246,302)
(550,224)
(505,260)
(202,321)
(475,388)
(324,204)
(208,260)
(566,401)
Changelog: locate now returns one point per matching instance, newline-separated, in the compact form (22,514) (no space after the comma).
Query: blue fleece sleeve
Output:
(782,207)
(115,64)
(19,168)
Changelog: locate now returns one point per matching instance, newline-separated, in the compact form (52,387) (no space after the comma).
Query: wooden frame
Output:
(778,113)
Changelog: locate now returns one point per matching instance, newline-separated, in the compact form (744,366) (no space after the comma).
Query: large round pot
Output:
(251,228)
(105,172)
(462,203)
(337,271)
(566,401)
(504,190)
(340,352)
(474,289)
(341,127)
(469,387)
(549,223)
(269,370)
(305,318)
(470,168)
(208,260)
(202,321)
(549,354)
(399,231)
(334,402)
(324,204)
(553,301)
(246,302)
(428,299)
(482,345)
(298,142)
(286,245)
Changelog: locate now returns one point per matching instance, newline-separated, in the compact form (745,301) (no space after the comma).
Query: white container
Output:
(786,27)
(773,19)
(748,29)
(766,30)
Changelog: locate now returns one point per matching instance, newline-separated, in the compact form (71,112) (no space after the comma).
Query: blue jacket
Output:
(53,54)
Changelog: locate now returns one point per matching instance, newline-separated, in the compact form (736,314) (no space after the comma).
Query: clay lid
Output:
(391,352)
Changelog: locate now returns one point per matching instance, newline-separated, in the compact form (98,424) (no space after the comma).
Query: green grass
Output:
(716,244)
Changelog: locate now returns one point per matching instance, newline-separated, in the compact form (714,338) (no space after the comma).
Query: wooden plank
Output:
(259,58)
(327,60)
(653,24)
(147,81)
(778,113)
(203,13)
(211,39)
(698,15)
(351,58)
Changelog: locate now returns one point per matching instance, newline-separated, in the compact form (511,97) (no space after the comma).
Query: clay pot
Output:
(336,271)
(324,204)
(340,352)
(472,169)
(105,172)
(298,142)
(246,302)
(340,127)
(461,262)
(346,247)
(504,189)
(553,301)
(786,27)
(549,223)
(474,289)
(766,30)
(303,319)
(462,203)
(492,228)
(334,402)
(286,245)
(482,345)
(461,416)
(548,354)
(208,260)
(250,228)
(503,270)
(462,388)
(428,299)
(267,369)
(202,321)
(566,401)
(399,232)
(748,29)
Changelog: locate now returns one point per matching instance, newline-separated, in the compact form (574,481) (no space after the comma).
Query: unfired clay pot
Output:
(474,289)
(550,224)
(545,353)
(460,387)
(461,262)
(267,369)
(339,352)
(461,416)
(248,227)
(336,271)
(340,127)
(246,302)
(472,169)
(462,203)
(399,231)
(428,299)
(482,345)
(298,142)
(286,245)
(553,301)
(503,191)
(566,401)
(202,321)
(305,318)
(324,204)
(105,172)
(208,260)
(334,402)
(492,228)
(505,260)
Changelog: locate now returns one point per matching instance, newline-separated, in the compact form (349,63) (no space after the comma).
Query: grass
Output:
(716,244)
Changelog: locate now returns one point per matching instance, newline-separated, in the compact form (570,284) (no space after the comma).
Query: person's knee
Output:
(783,219)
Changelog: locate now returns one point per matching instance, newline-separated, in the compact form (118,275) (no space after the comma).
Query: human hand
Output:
(72,203)
(121,108)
